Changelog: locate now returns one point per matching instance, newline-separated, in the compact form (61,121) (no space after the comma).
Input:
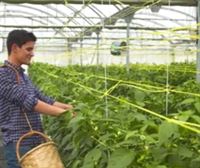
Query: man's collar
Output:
(18,68)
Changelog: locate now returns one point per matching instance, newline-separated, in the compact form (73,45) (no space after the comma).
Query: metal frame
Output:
(128,2)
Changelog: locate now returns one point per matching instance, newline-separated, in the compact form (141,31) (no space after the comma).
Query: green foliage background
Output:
(115,126)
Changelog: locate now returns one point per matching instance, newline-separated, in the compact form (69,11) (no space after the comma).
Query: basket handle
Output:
(28,134)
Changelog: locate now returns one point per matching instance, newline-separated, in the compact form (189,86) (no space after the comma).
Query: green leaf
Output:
(185,115)
(161,166)
(197,106)
(131,134)
(65,140)
(121,158)
(187,101)
(139,95)
(166,131)
(92,158)
(159,153)
(195,162)
(140,117)
(196,118)
(185,152)
(76,164)
(75,120)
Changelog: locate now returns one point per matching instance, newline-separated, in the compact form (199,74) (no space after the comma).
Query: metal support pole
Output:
(198,44)
(97,45)
(128,21)
(97,48)
(81,52)
(69,48)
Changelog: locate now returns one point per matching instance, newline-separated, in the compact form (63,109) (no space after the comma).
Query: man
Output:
(20,98)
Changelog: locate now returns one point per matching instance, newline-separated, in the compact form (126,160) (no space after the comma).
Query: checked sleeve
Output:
(16,93)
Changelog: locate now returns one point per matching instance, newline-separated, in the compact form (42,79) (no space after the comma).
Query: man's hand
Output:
(63,105)
(67,107)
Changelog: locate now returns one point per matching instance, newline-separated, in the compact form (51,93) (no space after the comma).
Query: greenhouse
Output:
(129,69)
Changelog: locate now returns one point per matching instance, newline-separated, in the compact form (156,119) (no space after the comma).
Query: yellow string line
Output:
(159,90)
(187,93)
(190,124)
(135,85)
(173,69)
(143,89)
(107,44)
(146,3)
(69,54)
(121,81)
(143,47)
(111,89)
(126,83)
(177,122)
(170,33)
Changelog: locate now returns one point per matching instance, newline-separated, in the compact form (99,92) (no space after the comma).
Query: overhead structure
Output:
(70,20)
(114,2)
(75,23)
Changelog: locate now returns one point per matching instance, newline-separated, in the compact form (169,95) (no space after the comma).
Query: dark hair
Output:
(19,37)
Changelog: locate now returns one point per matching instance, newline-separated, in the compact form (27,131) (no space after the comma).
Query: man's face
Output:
(24,53)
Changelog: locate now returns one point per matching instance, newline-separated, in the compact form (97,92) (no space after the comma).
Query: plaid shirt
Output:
(14,97)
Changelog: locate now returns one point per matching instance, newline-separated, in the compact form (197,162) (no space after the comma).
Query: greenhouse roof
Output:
(79,20)
(129,2)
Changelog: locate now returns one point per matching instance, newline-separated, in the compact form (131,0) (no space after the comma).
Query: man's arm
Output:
(48,109)
(15,93)
(49,100)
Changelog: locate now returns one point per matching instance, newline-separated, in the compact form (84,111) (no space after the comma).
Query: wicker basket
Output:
(43,156)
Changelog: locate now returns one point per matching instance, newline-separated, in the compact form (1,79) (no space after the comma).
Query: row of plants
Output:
(148,117)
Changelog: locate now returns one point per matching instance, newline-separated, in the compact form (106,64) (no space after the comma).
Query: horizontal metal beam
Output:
(128,2)
(14,16)
(187,41)
(81,27)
